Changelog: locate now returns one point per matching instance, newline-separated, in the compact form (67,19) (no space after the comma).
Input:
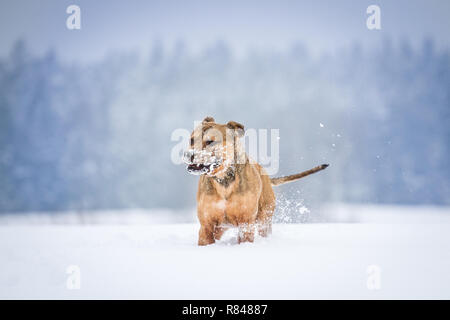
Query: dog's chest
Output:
(232,210)
(220,205)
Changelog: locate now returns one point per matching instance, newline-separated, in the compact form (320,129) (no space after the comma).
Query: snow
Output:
(162,260)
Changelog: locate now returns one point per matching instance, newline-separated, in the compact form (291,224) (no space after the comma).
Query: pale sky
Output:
(132,24)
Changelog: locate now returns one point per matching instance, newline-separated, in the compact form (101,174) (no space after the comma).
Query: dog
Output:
(232,191)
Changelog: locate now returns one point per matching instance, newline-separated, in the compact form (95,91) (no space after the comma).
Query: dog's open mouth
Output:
(206,162)
(199,168)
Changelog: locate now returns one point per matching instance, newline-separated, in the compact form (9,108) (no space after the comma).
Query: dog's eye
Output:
(192,141)
(208,142)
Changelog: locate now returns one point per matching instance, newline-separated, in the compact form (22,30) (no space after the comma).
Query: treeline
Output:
(92,136)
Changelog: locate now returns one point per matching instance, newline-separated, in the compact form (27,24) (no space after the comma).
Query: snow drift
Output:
(162,260)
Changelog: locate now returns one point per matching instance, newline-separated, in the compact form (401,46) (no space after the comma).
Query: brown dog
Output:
(232,190)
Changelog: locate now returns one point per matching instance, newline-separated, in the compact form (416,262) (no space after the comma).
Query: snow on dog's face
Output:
(212,147)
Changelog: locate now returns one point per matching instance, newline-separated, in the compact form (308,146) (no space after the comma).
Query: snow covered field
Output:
(407,256)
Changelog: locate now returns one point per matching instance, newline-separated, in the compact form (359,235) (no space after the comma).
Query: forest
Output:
(77,136)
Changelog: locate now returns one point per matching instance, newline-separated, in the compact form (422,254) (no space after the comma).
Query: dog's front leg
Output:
(265,229)
(206,235)
(264,224)
(218,232)
(246,232)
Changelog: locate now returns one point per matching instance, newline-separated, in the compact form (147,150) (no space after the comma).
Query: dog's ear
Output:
(208,119)
(237,127)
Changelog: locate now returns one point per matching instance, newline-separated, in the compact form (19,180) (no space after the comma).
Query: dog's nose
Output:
(189,156)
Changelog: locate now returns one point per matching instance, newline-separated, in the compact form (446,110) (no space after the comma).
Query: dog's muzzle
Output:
(200,162)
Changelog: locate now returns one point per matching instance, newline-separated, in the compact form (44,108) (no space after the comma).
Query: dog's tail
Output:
(293,177)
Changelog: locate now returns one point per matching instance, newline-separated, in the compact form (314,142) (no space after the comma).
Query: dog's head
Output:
(213,147)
